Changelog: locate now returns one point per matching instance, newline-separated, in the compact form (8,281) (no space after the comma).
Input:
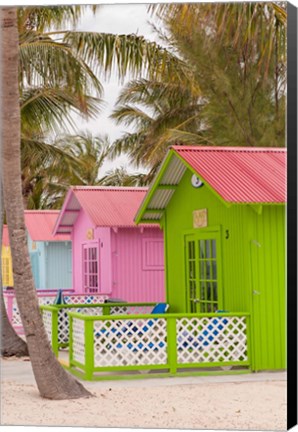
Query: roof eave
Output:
(61,214)
(143,207)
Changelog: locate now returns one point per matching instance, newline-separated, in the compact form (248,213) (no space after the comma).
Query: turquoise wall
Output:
(51,264)
(58,265)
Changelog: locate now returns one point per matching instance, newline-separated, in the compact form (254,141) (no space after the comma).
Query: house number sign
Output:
(200,218)
(89,234)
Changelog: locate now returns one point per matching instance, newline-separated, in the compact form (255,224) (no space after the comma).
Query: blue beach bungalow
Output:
(51,256)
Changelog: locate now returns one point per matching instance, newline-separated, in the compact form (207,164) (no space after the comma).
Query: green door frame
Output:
(211,233)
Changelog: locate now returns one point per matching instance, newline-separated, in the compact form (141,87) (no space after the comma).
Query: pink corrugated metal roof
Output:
(40,224)
(240,174)
(110,206)
(5,236)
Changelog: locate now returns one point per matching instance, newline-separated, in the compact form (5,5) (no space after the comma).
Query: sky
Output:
(118,19)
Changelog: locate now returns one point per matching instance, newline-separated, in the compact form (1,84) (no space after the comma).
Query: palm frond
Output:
(125,54)
(127,144)
(46,17)
(44,61)
(50,109)
(121,177)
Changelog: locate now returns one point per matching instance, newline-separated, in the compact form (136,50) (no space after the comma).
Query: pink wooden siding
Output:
(130,281)
(152,254)
(131,260)
(78,239)
(104,235)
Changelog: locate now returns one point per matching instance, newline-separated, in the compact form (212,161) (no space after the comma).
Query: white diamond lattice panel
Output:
(16,317)
(85,299)
(118,310)
(47,320)
(130,342)
(63,320)
(130,310)
(215,339)
(79,340)
(46,300)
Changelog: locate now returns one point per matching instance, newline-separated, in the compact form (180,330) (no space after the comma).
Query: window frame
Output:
(145,265)
(94,288)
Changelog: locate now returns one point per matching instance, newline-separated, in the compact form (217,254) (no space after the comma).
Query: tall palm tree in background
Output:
(49,183)
(233,91)
(159,111)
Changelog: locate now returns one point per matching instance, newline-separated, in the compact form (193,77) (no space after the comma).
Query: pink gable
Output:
(111,207)
(105,206)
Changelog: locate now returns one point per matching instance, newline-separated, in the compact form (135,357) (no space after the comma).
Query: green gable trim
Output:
(143,208)
(156,186)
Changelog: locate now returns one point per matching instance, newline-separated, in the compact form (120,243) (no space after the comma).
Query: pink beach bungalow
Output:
(111,255)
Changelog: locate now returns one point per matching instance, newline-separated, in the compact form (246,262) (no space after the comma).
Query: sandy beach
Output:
(254,401)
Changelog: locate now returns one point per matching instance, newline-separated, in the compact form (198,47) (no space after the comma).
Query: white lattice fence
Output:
(85,298)
(46,300)
(78,328)
(16,317)
(63,320)
(211,339)
(47,320)
(127,343)
(49,300)
(130,310)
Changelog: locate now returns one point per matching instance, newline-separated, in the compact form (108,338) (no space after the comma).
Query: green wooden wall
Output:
(253,263)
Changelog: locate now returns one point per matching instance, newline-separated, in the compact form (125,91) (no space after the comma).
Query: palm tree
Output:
(52,380)
(83,156)
(159,110)
(233,90)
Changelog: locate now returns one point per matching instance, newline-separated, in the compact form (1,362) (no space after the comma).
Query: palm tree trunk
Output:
(52,380)
(11,343)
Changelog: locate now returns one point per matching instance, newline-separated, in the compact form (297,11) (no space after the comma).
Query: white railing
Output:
(60,321)
(46,297)
(125,343)
(170,343)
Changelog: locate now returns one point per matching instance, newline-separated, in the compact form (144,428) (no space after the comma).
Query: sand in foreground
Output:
(240,405)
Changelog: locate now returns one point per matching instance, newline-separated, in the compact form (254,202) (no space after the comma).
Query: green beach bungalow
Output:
(222,211)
